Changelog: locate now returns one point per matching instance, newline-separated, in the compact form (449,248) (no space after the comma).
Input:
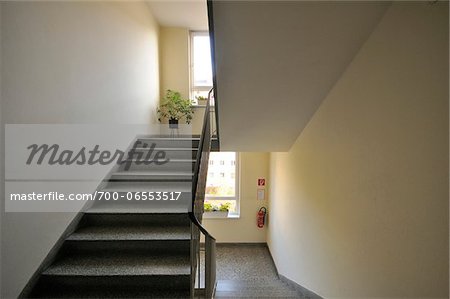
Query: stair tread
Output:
(137,219)
(120,263)
(226,285)
(182,138)
(144,186)
(169,148)
(147,172)
(170,160)
(131,233)
(126,208)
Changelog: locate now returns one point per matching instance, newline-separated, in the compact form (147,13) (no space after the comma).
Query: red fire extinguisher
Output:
(261,217)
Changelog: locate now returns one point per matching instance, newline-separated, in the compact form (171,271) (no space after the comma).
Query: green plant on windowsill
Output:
(201,100)
(223,207)
(173,107)
(208,207)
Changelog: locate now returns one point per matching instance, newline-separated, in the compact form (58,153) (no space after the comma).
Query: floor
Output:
(247,271)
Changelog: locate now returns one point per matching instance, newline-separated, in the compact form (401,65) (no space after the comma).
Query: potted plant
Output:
(201,101)
(173,107)
(215,211)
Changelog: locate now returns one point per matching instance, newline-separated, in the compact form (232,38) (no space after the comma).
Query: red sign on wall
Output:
(261,182)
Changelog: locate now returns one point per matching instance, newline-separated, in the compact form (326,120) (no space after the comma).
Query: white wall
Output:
(174,49)
(70,62)
(175,70)
(80,62)
(244,229)
(359,205)
(277,60)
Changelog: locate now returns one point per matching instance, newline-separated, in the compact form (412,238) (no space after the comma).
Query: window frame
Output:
(193,88)
(237,194)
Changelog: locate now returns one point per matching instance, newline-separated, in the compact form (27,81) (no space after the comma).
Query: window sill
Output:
(199,106)
(229,216)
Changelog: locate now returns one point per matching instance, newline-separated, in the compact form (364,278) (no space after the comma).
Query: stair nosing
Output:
(170,160)
(181,233)
(149,173)
(149,213)
(110,275)
(168,148)
(119,239)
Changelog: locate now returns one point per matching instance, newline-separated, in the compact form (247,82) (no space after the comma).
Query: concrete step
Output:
(116,286)
(135,220)
(136,186)
(125,247)
(140,207)
(153,197)
(130,233)
(128,258)
(168,142)
(255,289)
(184,165)
(131,196)
(168,152)
(152,176)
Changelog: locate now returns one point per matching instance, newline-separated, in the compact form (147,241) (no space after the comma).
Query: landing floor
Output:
(247,271)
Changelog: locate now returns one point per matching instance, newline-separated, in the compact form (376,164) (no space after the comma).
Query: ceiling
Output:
(191,14)
(276,62)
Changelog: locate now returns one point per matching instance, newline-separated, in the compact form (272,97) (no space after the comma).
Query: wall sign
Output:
(261,182)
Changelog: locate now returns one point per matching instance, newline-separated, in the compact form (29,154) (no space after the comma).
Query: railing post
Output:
(210,266)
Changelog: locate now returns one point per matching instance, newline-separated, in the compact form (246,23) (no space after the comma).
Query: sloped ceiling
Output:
(276,62)
(191,14)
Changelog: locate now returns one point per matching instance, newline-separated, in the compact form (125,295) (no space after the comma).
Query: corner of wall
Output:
(360,201)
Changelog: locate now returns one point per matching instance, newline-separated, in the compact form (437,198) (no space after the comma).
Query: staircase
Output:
(128,248)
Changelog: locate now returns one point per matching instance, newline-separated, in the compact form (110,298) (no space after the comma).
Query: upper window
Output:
(201,69)
(223,188)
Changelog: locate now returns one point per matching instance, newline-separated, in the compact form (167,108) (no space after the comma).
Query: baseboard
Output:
(230,244)
(273,262)
(51,256)
(302,290)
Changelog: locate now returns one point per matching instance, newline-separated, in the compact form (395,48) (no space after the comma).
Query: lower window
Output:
(222,184)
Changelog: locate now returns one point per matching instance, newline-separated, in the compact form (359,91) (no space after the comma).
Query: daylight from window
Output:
(201,69)
(222,181)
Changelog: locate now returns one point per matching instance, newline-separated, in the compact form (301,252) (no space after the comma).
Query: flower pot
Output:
(216,214)
(173,123)
(202,102)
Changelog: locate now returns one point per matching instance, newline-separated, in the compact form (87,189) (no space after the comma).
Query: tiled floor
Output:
(247,271)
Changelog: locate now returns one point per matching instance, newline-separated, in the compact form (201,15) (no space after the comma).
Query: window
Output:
(225,187)
(201,68)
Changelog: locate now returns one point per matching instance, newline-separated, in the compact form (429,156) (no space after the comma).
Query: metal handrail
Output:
(212,42)
(206,123)
(198,193)
(196,211)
